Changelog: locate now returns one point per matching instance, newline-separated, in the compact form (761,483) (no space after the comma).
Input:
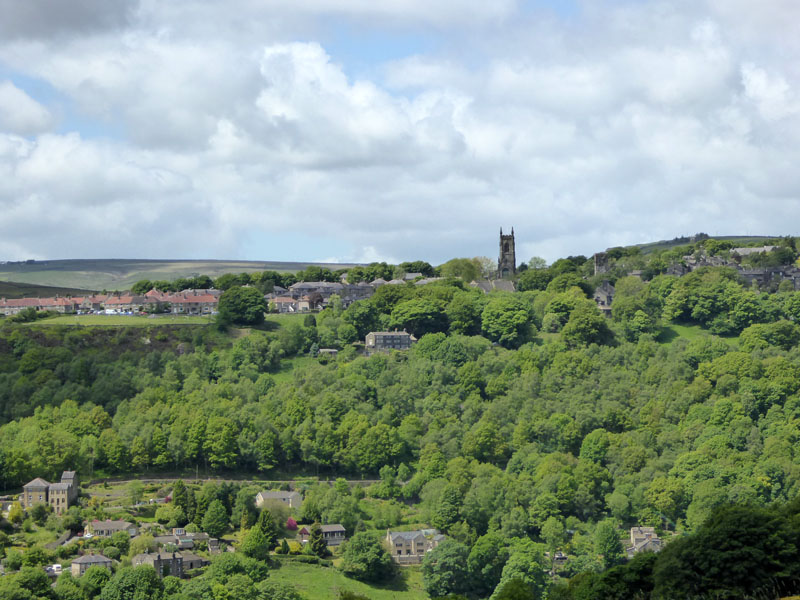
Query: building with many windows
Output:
(60,496)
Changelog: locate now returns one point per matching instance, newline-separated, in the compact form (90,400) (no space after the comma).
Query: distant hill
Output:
(121,274)
(682,241)
(13,289)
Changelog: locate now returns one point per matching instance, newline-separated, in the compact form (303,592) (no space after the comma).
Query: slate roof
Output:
(91,559)
(37,483)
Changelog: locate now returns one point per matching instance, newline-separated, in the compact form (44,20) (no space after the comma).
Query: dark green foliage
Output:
(739,552)
(269,529)
(444,569)
(242,306)
(365,558)
(215,520)
(316,542)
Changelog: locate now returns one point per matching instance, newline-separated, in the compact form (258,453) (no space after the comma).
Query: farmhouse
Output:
(164,563)
(409,547)
(80,564)
(385,341)
(58,495)
(332,534)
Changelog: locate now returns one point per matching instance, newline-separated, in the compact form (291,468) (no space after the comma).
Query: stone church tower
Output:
(507,263)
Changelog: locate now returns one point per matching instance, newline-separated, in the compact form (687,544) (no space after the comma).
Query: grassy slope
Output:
(120,274)
(324,583)
(12,289)
(122,320)
(667,244)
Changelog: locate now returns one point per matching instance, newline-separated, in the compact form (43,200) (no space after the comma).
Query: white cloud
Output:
(21,114)
(638,121)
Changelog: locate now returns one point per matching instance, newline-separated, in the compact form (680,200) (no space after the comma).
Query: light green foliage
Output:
(255,544)
(419,316)
(506,319)
(607,543)
(467,269)
(137,583)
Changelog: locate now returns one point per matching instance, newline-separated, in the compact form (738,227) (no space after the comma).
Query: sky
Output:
(356,130)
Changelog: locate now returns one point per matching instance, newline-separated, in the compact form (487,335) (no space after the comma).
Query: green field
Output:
(122,320)
(121,274)
(272,322)
(324,583)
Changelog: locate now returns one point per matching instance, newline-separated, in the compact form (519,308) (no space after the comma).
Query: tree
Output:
(506,319)
(242,306)
(607,543)
(266,523)
(514,589)
(444,569)
(215,521)
(463,268)
(317,542)
(586,326)
(136,583)
(135,491)
(740,552)
(419,316)
(527,564)
(15,514)
(365,558)
(486,561)
(255,544)
(141,287)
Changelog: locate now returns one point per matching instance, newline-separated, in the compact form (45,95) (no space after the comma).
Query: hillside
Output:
(120,274)
(661,245)
(13,289)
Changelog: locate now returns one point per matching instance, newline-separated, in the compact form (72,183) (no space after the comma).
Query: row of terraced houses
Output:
(187,302)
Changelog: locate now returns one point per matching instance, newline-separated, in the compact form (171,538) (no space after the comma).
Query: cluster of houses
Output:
(187,302)
(604,294)
(306,296)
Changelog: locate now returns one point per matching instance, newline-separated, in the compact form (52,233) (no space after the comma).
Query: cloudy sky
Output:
(359,130)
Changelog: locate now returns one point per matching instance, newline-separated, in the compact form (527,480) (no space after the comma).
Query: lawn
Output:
(324,583)
(124,320)
(288,365)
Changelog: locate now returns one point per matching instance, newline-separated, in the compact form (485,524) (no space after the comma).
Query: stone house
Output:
(333,534)
(59,496)
(643,539)
(164,563)
(291,499)
(193,561)
(80,564)
(409,547)
(604,296)
(385,341)
(108,527)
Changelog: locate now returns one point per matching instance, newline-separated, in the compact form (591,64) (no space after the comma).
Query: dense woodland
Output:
(519,423)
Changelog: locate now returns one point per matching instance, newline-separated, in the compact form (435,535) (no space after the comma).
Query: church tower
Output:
(507,263)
